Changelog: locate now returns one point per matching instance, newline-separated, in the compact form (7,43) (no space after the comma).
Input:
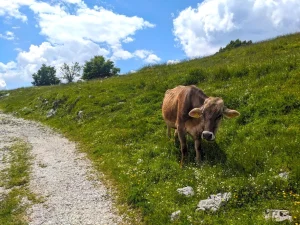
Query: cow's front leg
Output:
(183,145)
(198,150)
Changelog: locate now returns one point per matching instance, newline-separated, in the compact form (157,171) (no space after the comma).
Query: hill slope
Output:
(122,130)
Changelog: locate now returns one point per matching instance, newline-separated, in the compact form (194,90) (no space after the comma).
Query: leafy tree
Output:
(98,67)
(70,72)
(235,44)
(46,75)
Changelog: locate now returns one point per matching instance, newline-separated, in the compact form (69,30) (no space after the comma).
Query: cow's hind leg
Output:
(182,139)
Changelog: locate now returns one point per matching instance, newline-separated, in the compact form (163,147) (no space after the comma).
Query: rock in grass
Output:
(187,191)
(80,114)
(175,215)
(51,113)
(278,215)
(214,202)
(284,175)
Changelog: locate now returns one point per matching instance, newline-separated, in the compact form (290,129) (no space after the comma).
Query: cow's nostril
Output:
(208,135)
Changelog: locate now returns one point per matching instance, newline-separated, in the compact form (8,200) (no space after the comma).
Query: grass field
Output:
(122,130)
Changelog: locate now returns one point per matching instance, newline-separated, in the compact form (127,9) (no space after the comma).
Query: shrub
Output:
(97,67)
(235,44)
(195,76)
(46,75)
(221,73)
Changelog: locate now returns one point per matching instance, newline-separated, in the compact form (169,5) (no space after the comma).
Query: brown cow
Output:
(188,110)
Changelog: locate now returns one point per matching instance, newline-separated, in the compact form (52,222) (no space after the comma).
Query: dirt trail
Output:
(62,176)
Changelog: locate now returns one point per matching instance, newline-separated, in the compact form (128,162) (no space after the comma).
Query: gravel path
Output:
(62,176)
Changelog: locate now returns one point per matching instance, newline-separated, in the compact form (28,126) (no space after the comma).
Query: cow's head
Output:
(211,114)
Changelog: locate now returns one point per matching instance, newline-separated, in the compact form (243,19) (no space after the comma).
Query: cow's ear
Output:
(230,113)
(195,113)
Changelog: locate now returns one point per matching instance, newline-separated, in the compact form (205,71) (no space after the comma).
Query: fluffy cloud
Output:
(2,84)
(8,35)
(97,24)
(213,23)
(10,8)
(73,32)
(152,58)
(148,56)
(7,72)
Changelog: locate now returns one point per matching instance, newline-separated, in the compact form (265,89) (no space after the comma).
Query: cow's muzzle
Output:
(207,135)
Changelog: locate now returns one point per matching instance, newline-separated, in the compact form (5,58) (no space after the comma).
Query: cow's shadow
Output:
(211,153)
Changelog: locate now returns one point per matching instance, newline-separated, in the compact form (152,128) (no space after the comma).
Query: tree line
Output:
(95,68)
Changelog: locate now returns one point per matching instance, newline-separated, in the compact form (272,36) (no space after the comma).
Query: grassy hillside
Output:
(122,131)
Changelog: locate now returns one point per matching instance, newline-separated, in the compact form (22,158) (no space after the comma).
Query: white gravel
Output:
(62,176)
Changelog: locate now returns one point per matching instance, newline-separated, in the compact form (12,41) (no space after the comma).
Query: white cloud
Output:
(147,56)
(10,8)
(142,53)
(8,35)
(119,53)
(97,25)
(152,59)
(170,62)
(128,39)
(10,65)
(74,33)
(2,84)
(213,23)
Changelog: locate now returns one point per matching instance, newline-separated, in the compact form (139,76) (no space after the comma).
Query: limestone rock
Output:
(214,202)
(284,175)
(80,114)
(187,191)
(175,215)
(51,113)
(278,215)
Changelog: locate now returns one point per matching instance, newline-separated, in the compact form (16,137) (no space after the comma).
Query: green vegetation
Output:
(70,72)
(46,75)
(122,130)
(15,179)
(98,67)
(235,44)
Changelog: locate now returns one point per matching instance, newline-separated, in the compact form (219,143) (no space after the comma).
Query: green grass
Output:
(15,178)
(123,132)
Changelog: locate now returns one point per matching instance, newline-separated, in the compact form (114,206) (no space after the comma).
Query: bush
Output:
(221,73)
(195,76)
(46,75)
(235,44)
(97,67)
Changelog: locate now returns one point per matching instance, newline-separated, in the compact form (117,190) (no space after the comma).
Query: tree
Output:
(70,72)
(97,67)
(46,75)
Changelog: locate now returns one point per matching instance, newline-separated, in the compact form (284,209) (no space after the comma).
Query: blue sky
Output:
(132,33)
